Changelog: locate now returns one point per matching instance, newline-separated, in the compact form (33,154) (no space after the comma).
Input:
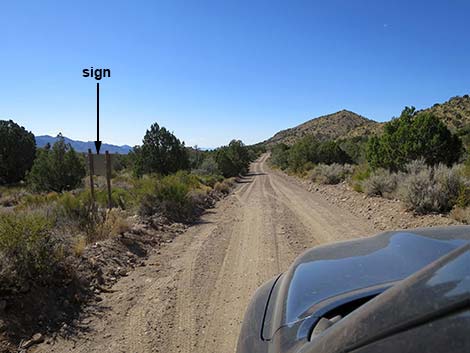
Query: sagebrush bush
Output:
(11,195)
(418,192)
(380,183)
(432,189)
(461,214)
(361,172)
(210,180)
(170,198)
(331,174)
(200,199)
(120,197)
(77,211)
(308,166)
(32,201)
(27,250)
(79,214)
(416,166)
(144,186)
(224,186)
(463,200)
(466,164)
(448,182)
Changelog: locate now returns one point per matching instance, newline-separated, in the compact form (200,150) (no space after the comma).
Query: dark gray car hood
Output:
(427,312)
(371,263)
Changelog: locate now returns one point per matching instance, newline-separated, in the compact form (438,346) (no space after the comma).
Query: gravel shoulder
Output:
(384,214)
(191,294)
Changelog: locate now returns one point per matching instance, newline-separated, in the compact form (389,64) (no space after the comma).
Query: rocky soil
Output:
(39,313)
(384,214)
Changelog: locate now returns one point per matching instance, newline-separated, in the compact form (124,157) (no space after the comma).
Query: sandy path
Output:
(191,297)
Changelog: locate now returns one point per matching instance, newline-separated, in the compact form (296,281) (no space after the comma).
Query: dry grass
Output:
(11,195)
(223,186)
(114,223)
(461,214)
(79,246)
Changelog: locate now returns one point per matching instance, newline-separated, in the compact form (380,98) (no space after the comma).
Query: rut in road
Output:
(195,298)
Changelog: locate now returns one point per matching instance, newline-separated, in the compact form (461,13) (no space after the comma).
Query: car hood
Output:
(428,311)
(361,266)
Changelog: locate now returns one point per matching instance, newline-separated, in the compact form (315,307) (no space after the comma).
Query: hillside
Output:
(455,112)
(81,146)
(333,126)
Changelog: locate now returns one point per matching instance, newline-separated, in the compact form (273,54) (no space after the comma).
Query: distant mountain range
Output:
(81,146)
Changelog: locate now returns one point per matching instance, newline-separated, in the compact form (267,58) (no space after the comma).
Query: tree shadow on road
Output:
(248,178)
(254,174)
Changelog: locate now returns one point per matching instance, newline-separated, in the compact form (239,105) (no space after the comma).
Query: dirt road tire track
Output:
(192,296)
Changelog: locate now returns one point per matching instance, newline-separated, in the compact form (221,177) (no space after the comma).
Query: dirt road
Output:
(191,296)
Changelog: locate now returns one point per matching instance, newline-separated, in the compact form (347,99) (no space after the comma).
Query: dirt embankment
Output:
(384,214)
(38,312)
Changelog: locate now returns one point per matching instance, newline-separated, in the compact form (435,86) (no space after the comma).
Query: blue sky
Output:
(215,70)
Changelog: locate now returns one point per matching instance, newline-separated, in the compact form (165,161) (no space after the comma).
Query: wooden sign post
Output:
(92,171)
(100,165)
(108,179)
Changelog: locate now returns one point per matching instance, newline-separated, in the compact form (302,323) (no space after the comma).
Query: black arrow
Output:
(97,142)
